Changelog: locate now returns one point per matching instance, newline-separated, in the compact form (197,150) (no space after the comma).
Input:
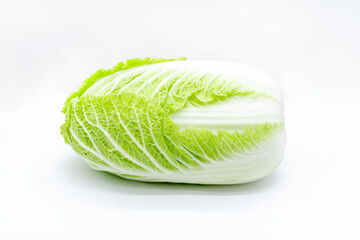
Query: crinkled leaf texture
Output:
(178,120)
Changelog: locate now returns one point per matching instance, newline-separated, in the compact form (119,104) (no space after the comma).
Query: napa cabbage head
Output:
(178,120)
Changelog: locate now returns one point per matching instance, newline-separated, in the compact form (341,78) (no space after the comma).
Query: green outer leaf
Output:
(130,133)
(130,63)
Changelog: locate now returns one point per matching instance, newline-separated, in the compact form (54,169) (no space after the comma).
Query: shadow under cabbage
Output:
(84,175)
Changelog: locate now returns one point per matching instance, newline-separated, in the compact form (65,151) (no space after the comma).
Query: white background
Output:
(312,48)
